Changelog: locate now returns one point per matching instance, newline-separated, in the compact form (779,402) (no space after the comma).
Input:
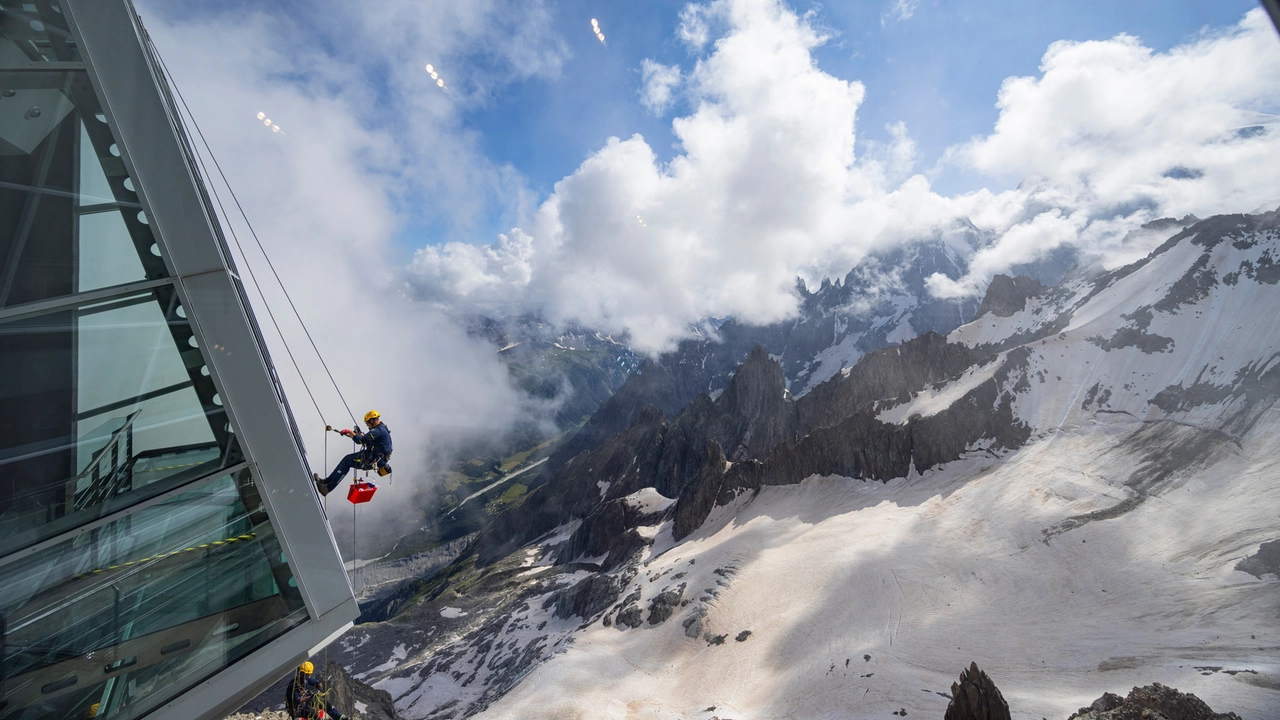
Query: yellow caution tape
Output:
(161,556)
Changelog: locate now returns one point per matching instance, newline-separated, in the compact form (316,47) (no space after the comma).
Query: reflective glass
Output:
(129,614)
(70,217)
(35,31)
(102,406)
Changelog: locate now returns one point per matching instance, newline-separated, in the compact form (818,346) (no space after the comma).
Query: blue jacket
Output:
(377,440)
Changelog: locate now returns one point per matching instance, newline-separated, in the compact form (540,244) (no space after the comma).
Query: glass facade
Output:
(106,400)
(138,557)
(126,614)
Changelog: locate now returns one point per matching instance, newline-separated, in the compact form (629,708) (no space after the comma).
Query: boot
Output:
(322,487)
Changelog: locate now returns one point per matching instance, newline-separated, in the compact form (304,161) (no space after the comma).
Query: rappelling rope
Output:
(258,241)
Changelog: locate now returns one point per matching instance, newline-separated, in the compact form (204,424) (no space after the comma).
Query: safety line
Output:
(261,248)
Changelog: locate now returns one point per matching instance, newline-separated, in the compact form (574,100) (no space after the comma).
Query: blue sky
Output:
(540,178)
(938,71)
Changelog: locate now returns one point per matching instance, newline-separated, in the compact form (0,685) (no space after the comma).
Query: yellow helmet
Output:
(372,414)
(306,668)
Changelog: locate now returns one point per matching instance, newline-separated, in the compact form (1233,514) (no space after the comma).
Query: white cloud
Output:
(660,82)
(767,186)
(899,11)
(326,198)
(694,29)
(484,274)
(1113,134)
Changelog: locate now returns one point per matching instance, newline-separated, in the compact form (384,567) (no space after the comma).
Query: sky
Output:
(692,163)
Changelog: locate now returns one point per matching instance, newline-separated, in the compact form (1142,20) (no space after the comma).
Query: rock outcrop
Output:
(355,698)
(1008,295)
(1150,702)
(976,697)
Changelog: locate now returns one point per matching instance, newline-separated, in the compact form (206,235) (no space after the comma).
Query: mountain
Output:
(1075,489)
(569,370)
(882,301)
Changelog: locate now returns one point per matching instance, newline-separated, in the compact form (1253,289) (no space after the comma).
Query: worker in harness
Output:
(305,696)
(374,453)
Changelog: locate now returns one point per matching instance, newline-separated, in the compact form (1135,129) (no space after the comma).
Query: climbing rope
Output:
(213,157)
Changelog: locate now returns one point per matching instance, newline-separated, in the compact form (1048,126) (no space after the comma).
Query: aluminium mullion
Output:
(52,305)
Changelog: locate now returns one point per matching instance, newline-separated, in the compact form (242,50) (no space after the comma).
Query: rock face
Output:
(660,607)
(590,597)
(1008,295)
(1151,702)
(353,697)
(975,697)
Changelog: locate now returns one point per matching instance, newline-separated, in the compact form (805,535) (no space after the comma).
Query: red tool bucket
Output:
(361,492)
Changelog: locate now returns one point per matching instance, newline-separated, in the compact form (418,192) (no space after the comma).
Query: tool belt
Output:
(370,460)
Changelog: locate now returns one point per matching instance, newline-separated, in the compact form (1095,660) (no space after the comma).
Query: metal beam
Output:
(53,305)
(103,409)
(1273,9)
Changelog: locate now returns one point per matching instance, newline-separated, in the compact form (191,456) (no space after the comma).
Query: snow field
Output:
(927,573)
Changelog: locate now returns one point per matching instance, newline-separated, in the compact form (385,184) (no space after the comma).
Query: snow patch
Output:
(934,400)
(648,501)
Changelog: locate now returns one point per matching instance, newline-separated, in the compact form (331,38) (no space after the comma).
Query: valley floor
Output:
(866,599)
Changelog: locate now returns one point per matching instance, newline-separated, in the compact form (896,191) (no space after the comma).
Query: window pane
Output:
(132,613)
(70,218)
(35,32)
(104,405)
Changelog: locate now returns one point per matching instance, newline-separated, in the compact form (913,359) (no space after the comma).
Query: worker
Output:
(374,453)
(305,695)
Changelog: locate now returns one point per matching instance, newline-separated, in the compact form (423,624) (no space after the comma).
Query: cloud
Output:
(367,135)
(760,190)
(660,82)
(767,186)
(899,11)
(1112,134)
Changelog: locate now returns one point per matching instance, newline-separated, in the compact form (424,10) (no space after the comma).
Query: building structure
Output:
(162,551)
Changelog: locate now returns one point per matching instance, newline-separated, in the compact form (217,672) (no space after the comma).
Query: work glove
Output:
(346,432)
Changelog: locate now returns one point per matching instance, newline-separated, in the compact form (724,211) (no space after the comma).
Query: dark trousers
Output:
(359,460)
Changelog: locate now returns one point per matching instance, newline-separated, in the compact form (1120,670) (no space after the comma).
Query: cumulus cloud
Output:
(660,82)
(766,185)
(1112,134)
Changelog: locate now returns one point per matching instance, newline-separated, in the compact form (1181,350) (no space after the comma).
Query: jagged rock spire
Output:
(975,697)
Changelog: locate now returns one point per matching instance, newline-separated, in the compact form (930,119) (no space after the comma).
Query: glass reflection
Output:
(70,217)
(110,404)
(129,614)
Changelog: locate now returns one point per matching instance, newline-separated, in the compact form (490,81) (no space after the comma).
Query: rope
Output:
(258,241)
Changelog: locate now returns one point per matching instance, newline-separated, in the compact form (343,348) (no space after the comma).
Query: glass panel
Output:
(128,615)
(34,31)
(70,218)
(109,404)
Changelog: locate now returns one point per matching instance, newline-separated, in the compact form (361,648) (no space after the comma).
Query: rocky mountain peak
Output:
(1008,295)
(757,386)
